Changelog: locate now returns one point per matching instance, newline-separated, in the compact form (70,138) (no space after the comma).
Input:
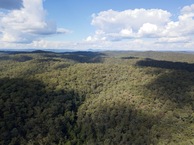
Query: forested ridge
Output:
(96,98)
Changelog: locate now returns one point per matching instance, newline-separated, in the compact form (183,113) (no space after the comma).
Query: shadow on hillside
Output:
(130,57)
(18,58)
(120,125)
(29,110)
(124,124)
(175,85)
(4,57)
(80,56)
(32,113)
(166,65)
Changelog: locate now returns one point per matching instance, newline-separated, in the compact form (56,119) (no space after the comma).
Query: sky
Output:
(97,25)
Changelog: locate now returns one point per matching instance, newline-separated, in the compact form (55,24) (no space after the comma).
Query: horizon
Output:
(96,26)
(29,50)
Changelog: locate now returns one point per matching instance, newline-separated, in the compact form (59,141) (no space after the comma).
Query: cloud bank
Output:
(143,23)
(26,24)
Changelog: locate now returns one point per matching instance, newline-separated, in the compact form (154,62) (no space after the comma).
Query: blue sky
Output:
(98,25)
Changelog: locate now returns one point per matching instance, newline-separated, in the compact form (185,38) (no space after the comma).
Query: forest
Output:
(96,98)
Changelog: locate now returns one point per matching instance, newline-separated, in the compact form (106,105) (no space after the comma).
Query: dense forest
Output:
(96,98)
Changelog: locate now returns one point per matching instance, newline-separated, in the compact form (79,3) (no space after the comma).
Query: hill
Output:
(96,98)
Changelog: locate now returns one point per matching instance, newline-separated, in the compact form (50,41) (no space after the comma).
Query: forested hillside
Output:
(96,98)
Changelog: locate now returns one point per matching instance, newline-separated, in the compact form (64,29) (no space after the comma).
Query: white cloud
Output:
(27,24)
(187,9)
(154,24)
(141,29)
(126,32)
(148,30)
(184,26)
(134,19)
(130,23)
(174,40)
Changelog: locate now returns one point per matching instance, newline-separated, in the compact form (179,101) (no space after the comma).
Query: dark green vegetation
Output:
(88,98)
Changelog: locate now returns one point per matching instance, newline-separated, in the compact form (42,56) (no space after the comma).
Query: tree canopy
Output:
(89,98)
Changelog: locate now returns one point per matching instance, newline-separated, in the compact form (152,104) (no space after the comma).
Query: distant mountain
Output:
(41,51)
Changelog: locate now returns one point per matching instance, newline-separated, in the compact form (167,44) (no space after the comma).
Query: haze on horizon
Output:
(97,25)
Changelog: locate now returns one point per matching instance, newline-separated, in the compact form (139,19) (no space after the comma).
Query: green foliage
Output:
(96,98)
